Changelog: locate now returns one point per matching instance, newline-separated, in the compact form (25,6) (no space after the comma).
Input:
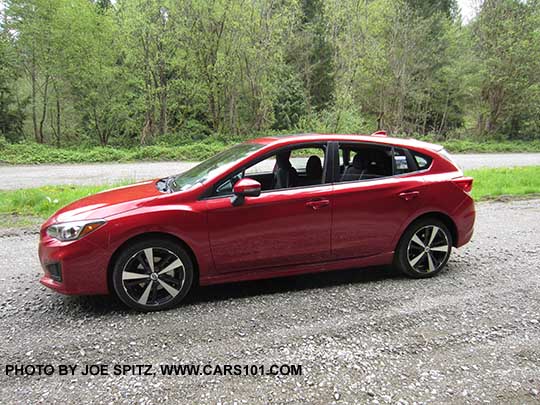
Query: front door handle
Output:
(318,204)
(409,195)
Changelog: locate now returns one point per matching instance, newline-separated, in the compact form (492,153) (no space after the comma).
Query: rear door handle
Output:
(318,204)
(409,195)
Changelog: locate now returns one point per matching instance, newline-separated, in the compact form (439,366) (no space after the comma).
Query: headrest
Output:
(375,157)
(314,167)
(282,159)
(358,161)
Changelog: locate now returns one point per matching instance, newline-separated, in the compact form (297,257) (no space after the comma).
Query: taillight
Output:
(464,183)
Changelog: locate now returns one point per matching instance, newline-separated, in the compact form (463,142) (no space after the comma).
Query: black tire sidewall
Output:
(401,261)
(129,251)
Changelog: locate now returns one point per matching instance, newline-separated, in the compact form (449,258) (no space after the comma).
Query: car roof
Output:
(376,139)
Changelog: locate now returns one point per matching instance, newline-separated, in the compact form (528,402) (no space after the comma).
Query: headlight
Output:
(73,230)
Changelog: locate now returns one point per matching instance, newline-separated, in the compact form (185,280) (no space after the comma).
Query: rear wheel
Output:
(424,248)
(152,275)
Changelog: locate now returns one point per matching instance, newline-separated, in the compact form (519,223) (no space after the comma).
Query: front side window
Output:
(264,166)
(286,168)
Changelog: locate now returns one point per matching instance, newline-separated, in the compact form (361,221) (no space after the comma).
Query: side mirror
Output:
(243,188)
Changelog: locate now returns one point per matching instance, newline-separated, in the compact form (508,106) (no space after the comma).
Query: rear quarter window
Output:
(408,161)
(422,161)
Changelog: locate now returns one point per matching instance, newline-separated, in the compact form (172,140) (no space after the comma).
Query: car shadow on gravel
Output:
(103,305)
(314,281)
(98,305)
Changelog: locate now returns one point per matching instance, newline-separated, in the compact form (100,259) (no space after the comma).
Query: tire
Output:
(422,253)
(147,286)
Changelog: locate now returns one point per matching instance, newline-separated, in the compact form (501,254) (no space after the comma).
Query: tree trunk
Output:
(148,128)
(216,122)
(150,84)
(44,110)
(445,113)
(58,134)
(495,98)
(103,134)
(58,125)
(380,115)
(34,100)
(379,121)
(162,98)
(480,122)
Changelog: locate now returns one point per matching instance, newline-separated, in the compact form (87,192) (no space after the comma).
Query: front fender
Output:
(185,222)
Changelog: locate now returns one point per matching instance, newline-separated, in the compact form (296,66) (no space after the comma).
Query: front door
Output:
(278,228)
(288,224)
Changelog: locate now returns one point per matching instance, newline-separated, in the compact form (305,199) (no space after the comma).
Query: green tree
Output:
(148,48)
(33,21)
(233,55)
(140,71)
(396,65)
(90,64)
(11,109)
(311,53)
(508,50)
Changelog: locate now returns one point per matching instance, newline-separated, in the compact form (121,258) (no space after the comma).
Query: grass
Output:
(43,201)
(32,153)
(466,146)
(24,206)
(516,181)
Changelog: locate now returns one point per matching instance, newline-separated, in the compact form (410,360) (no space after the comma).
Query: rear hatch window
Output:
(449,157)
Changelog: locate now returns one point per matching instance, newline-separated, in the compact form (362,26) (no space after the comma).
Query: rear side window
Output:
(365,162)
(422,161)
(406,161)
(401,163)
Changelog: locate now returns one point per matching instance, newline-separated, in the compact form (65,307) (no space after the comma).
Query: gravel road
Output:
(470,335)
(24,176)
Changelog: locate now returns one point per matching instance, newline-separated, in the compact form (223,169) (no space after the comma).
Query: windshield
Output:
(206,169)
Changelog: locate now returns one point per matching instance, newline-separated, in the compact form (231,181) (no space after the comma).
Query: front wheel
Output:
(152,275)
(424,248)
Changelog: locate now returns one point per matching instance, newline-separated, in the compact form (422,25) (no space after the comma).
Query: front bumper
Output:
(83,265)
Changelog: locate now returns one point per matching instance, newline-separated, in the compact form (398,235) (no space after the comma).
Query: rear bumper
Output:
(83,266)
(464,217)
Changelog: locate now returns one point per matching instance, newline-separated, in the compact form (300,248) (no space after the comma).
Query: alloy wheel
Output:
(153,276)
(428,249)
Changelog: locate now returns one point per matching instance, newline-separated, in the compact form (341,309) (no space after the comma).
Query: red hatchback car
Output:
(270,207)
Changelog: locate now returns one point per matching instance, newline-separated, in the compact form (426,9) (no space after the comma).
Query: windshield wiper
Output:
(164,185)
(169,182)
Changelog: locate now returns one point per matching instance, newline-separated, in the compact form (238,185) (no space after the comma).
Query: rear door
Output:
(370,210)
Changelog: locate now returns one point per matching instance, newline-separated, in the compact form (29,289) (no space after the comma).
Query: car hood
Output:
(107,203)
